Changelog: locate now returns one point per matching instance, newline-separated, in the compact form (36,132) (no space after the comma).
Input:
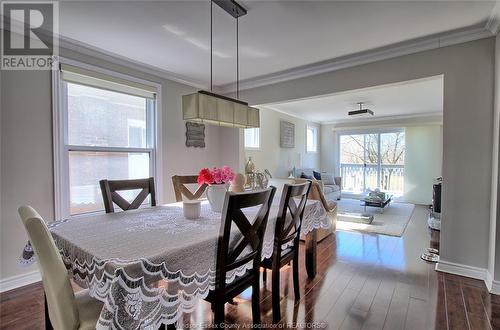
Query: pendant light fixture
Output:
(211,108)
(361,112)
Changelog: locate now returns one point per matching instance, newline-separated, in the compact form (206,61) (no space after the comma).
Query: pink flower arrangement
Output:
(216,175)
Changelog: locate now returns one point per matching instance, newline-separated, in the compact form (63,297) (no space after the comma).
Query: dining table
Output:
(149,266)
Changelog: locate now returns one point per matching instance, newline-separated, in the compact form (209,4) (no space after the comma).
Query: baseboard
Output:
(18,281)
(492,285)
(495,287)
(470,271)
(460,269)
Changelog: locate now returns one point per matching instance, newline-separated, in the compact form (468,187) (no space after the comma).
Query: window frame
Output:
(244,140)
(316,129)
(60,136)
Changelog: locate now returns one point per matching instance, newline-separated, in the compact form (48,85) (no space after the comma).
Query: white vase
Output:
(192,209)
(215,195)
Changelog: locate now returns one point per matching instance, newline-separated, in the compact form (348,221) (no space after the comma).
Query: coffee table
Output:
(377,202)
(367,217)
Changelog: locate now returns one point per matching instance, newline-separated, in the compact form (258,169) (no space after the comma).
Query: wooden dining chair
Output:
(238,247)
(288,225)
(180,181)
(63,309)
(110,195)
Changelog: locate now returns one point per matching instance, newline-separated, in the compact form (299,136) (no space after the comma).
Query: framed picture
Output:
(287,134)
(195,135)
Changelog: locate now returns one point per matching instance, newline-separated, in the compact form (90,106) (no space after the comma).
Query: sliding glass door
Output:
(392,162)
(372,160)
(352,163)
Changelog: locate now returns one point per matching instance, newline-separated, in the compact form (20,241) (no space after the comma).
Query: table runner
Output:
(151,265)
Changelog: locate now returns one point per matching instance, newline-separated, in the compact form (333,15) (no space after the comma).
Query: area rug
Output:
(392,221)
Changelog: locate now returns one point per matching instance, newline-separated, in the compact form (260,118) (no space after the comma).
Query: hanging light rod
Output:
(211,108)
(231,7)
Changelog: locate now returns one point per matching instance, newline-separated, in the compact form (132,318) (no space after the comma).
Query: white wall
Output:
(468,71)
(26,149)
(423,162)
(280,161)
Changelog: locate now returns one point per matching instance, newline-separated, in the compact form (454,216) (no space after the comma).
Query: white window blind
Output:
(83,76)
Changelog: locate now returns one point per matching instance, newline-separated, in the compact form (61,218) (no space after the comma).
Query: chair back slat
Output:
(110,195)
(290,214)
(179,182)
(236,248)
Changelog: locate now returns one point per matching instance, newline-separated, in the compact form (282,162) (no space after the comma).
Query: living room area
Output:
(374,152)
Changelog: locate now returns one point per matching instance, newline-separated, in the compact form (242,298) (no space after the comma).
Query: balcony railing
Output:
(391,178)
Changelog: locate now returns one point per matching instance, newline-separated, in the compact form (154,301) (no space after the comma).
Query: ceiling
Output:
(420,97)
(173,36)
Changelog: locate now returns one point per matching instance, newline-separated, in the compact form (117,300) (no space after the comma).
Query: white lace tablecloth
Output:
(151,265)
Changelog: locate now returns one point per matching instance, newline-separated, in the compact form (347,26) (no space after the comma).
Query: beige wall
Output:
(26,158)
(280,161)
(423,162)
(26,149)
(468,71)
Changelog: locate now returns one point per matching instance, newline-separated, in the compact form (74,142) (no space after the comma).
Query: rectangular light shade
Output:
(360,113)
(204,107)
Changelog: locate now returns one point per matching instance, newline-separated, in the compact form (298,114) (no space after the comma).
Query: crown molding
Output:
(427,117)
(493,24)
(476,32)
(80,47)
(99,53)
(374,55)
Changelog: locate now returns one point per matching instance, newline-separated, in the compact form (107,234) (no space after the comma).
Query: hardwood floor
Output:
(363,282)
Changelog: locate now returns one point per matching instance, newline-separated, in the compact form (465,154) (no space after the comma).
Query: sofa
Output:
(330,184)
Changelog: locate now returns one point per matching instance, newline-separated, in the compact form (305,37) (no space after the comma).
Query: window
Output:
(312,139)
(370,160)
(252,138)
(104,133)
(136,133)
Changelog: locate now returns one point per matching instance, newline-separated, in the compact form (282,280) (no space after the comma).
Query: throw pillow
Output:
(317,175)
(305,176)
(328,179)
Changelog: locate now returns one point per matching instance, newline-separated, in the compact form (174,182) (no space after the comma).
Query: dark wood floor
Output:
(363,282)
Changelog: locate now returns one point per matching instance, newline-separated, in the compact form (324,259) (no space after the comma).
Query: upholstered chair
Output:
(65,309)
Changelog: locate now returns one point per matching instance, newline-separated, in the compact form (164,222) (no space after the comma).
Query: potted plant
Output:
(217,179)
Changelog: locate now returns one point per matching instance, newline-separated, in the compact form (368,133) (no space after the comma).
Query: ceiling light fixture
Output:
(211,108)
(361,112)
